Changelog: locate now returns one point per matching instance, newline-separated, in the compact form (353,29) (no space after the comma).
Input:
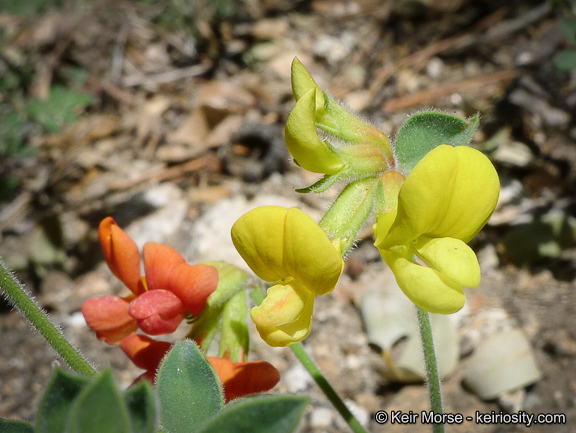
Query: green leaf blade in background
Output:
(99,408)
(9,426)
(188,389)
(141,408)
(58,400)
(565,60)
(568,29)
(425,131)
(262,414)
(59,109)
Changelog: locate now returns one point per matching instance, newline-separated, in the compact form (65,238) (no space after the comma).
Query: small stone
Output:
(435,67)
(298,379)
(512,402)
(560,344)
(321,417)
(358,411)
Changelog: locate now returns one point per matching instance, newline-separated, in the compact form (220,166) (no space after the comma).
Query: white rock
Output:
(297,379)
(321,417)
(211,238)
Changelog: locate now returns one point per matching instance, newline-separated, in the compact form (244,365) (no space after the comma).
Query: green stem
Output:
(433,378)
(326,388)
(18,297)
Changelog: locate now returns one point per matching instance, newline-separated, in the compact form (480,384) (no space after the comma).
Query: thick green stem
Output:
(18,297)
(326,388)
(433,378)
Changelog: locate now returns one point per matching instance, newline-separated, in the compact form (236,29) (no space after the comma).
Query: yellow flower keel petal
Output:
(282,305)
(283,334)
(451,257)
(426,287)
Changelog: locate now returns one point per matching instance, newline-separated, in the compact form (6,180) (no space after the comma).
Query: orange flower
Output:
(160,300)
(108,317)
(121,254)
(238,379)
(146,353)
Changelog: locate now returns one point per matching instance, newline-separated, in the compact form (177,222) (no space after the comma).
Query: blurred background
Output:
(168,115)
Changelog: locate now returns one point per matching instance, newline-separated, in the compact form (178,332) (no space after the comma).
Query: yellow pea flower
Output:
(443,203)
(288,248)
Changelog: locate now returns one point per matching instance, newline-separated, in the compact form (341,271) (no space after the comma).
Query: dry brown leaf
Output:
(192,132)
(270,28)
(220,98)
(148,118)
(224,130)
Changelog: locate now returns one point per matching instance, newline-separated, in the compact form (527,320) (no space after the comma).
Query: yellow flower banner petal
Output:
(279,243)
(451,192)
(259,238)
(309,256)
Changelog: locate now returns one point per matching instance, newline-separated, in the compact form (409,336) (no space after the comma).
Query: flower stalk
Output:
(326,388)
(432,376)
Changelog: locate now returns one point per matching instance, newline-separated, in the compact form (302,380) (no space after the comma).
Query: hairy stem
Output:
(18,297)
(433,379)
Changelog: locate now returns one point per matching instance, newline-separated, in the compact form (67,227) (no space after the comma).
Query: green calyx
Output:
(352,208)
(226,312)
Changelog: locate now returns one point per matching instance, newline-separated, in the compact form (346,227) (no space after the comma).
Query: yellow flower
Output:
(443,203)
(286,247)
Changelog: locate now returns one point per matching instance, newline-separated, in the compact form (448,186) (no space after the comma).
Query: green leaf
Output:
(188,389)
(262,414)
(60,107)
(8,426)
(57,401)
(140,403)
(322,185)
(422,132)
(11,134)
(234,338)
(565,60)
(568,28)
(99,408)
(543,239)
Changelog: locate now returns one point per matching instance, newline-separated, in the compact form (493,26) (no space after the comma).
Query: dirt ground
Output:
(183,134)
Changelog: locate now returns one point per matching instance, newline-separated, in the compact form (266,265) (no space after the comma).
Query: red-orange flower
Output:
(238,379)
(108,317)
(160,300)
(146,353)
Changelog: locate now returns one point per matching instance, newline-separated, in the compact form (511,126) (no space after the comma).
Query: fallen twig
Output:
(428,96)
(497,30)
(166,77)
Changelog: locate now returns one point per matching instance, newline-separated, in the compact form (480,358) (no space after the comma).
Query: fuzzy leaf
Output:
(262,414)
(140,403)
(188,389)
(423,132)
(99,408)
(58,400)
